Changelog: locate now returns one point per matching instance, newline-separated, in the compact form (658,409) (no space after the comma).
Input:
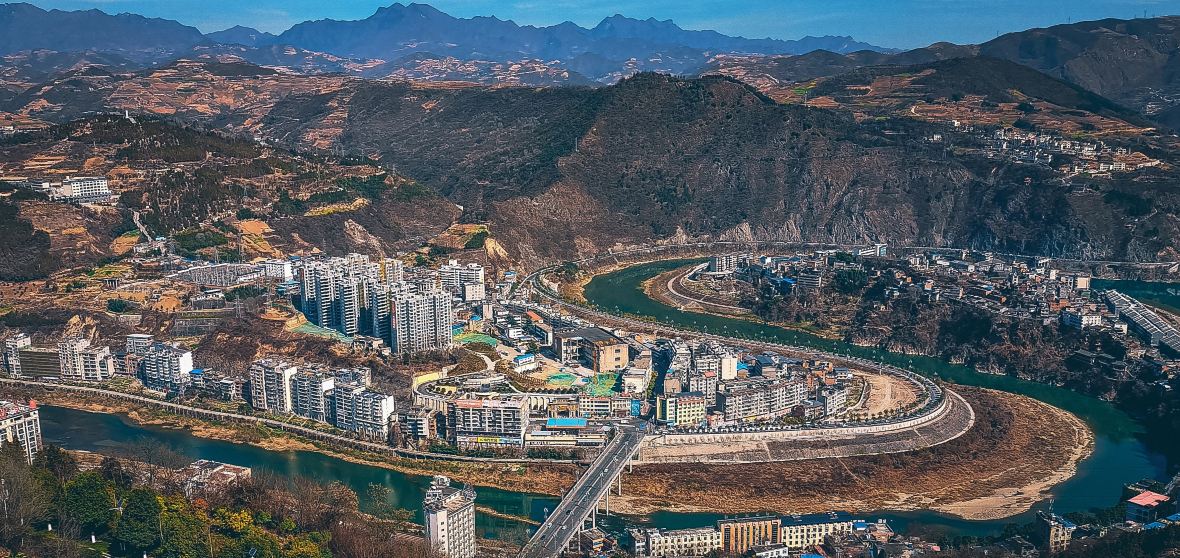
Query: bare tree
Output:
(25,500)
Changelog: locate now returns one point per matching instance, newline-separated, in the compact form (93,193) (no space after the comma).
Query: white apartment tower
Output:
(270,385)
(12,347)
(454,275)
(363,411)
(450,519)
(82,362)
(21,424)
(311,395)
(167,367)
(422,322)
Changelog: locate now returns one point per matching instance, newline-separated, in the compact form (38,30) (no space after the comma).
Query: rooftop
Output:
(1148,499)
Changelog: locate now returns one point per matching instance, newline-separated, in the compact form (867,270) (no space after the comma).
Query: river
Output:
(1118,456)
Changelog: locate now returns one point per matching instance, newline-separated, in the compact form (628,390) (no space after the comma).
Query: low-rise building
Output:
(679,542)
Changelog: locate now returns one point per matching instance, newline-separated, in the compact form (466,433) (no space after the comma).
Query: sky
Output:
(888,23)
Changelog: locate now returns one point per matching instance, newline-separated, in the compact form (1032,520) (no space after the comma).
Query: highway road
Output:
(563,523)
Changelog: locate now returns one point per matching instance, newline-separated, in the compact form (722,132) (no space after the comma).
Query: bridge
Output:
(581,503)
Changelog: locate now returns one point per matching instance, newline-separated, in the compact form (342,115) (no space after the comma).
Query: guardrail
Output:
(311,433)
(935,395)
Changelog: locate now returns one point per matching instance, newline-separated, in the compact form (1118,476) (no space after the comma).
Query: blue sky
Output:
(891,23)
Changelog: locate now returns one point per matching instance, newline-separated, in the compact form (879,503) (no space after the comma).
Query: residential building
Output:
(759,399)
(364,411)
(1080,319)
(270,385)
(167,367)
(680,542)
(422,322)
(498,421)
(1146,507)
(311,395)
(740,534)
(1054,532)
(21,424)
(12,348)
(81,362)
(454,276)
(138,343)
(596,348)
(802,531)
(725,263)
(834,399)
(684,409)
(450,519)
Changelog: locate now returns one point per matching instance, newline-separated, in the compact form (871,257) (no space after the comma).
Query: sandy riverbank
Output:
(1000,468)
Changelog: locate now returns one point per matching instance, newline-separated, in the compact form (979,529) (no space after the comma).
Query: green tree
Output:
(184,531)
(57,461)
(139,525)
(89,500)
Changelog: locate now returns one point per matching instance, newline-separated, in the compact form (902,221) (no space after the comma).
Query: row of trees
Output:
(51,508)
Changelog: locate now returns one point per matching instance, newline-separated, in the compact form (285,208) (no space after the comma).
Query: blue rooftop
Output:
(566,423)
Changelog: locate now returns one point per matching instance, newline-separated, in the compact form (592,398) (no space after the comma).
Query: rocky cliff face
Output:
(561,174)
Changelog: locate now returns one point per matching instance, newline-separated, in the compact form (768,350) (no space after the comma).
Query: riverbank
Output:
(538,478)
(1018,449)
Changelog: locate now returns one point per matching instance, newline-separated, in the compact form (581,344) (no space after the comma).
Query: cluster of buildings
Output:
(161,366)
(411,310)
(707,385)
(341,397)
(1070,156)
(769,536)
(71,189)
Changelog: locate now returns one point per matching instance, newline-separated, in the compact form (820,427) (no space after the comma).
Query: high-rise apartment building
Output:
(364,411)
(270,385)
(12,347)
(167,367)
(497,421)
(450,519)
(453,276)
(422,322)
(21,424)
(79,361)
(311,395)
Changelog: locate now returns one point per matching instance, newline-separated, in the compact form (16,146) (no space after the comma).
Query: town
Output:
(548,384)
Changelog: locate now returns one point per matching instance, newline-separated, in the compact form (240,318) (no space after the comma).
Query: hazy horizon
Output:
(902,24)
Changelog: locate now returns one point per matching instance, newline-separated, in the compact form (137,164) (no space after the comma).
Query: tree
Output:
(185,531)
(57,461)
(112,470)
(379,496)
(25,499)
(89,500)
(139,525)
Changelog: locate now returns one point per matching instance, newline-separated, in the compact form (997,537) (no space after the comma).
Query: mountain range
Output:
(616,47)
(854,146)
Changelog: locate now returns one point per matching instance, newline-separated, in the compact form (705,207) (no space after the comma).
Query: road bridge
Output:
(592,490)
